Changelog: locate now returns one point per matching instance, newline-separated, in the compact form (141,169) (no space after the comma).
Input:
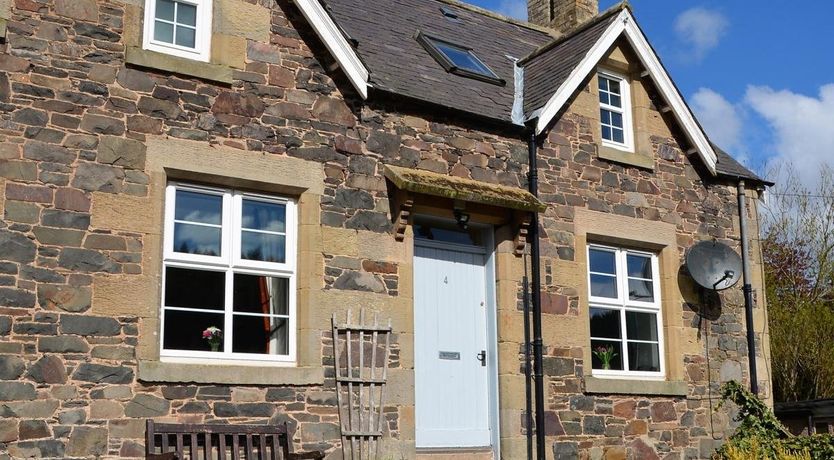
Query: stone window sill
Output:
(629,158)
(157,371)
(204,70)
(597,385)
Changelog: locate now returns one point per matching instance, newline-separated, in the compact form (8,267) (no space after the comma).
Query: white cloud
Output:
(701,29)
(721,120)
(513,8)
(802,126)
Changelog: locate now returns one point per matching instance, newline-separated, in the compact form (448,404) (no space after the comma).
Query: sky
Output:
(758,75)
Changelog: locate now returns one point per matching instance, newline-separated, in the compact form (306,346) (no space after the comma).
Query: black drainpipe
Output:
(535,268)
(748,289)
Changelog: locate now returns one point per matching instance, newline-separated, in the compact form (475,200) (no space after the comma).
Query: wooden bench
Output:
(180,441)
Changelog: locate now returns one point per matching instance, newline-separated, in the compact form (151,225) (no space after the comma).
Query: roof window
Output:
(458,59)
(449,14)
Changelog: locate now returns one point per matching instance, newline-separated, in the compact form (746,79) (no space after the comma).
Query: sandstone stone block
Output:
(89,325)
(86,260)
(11,367)
(118,151)
(103,374)
(58,236)
(100,124)
(48,369)
(64,297)
(17,391)
(97,177)
(33,429)
(62,344)
(87,441)
(146,405)
(8,430)
(84,10)
(16,247)
(16,298)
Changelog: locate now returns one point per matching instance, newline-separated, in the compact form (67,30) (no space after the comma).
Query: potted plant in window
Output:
(214,336)
(605,355)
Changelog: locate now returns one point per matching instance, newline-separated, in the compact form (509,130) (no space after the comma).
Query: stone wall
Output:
(88,140)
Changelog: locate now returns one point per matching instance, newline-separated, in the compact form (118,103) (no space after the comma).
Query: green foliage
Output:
(760,435)
(798,254)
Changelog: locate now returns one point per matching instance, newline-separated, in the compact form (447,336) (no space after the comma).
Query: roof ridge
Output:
(623,5)
(500,17)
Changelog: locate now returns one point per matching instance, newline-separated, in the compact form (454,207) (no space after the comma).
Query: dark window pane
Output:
(183,330)
(641,326)
(643,357)
(261,294)
(198,207)
(187,14)
(258,215)
(616,101)
(603,98)
(614,86)
(605,116)
(603,83)
(605,323)
(265,247)
(163,32)
(188,288)
(639,266)
(165,10)
(260,334)
(602,261)
(640,290)
(604,286)
(197,239)
(447,232)
(618,135)
(617,119)
(186,37)
(606,132)
(462,58)
(607,355)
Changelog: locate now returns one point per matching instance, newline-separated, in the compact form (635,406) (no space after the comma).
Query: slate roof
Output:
(547,68)
(385,32)
(727,166)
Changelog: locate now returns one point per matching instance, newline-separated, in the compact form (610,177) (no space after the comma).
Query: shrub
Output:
(760,435)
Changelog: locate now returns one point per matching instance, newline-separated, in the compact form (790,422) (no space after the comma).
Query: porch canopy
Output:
(458,188)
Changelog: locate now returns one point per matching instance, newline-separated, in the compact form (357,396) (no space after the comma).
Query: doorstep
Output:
(468,453)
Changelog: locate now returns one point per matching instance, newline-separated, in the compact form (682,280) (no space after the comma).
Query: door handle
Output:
(482,357)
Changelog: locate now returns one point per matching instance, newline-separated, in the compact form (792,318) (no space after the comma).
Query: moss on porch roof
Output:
(457,188)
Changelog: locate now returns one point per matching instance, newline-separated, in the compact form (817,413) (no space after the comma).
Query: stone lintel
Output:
(594,385)
(203,70)
(456,188)
(170,372)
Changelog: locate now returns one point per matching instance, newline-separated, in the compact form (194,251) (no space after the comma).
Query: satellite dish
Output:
(713,265)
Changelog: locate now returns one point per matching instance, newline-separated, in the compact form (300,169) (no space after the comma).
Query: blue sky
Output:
(759,75)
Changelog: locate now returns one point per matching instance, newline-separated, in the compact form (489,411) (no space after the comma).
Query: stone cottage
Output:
(257,166)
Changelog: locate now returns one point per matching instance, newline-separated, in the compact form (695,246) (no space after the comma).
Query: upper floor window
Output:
(179,27)
(625,312)
(615,111)
(228,275)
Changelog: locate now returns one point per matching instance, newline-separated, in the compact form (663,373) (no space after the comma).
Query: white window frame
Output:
(202,36)
(623,304)
(230,262)
(625,111)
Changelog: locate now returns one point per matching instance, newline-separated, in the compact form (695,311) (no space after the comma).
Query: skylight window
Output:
(458,59)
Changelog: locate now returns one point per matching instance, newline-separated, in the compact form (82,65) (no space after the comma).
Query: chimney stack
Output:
(561,15)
